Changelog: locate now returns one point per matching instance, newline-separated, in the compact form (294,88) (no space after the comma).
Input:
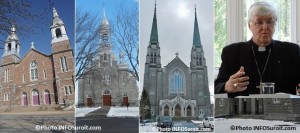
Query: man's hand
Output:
(237,82)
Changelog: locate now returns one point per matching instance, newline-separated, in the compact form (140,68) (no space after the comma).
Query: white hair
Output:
(261,9)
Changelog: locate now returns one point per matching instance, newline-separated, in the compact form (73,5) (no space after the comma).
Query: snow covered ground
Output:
(152,128)
(123,112)
(148,127)
(254,126)
(81,112)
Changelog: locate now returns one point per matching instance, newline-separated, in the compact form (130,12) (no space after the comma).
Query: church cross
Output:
(261,87)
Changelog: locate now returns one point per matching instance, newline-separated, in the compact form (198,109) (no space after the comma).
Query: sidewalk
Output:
(37,113)
(100,112)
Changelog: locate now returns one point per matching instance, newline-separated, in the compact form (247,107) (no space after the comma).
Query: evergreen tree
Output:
(145,106)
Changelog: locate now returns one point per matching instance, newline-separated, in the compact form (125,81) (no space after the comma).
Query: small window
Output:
(103,79)
(4,97)
(107,79)
(221,102)
(45,74)
(70,90)
(64,64)
(23,77)
(276,101)
(6,75)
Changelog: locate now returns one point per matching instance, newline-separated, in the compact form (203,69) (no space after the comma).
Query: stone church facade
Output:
(263,108)
(109,83)
(38,79)
(177,89)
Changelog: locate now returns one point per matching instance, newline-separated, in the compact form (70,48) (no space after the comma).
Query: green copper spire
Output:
(154,36)
(196,39)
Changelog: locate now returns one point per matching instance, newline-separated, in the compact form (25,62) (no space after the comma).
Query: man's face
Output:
(262,28)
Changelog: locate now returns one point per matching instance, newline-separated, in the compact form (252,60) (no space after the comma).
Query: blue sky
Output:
(42,35)
(96,6)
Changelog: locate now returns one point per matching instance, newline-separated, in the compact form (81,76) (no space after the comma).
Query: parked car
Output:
(164,121)
(208,122)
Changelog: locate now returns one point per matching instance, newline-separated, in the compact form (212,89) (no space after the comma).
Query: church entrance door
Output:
(188,111)
(35,97)
(47,97)
(166,110)
(24,99)
(125,100)
(89,102)
(177,110)
(106,100)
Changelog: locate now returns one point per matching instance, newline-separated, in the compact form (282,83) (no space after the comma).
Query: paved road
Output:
(107,124)
(29,122)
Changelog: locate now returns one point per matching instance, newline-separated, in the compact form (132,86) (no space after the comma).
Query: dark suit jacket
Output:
(285,63)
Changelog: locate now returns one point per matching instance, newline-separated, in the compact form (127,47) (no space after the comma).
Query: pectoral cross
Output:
(260,87)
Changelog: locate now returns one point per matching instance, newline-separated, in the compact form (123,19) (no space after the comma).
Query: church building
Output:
(287,109)
(109,83)
(38,79)
(177,89)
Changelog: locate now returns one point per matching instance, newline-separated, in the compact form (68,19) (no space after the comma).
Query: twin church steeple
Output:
(153,53)
(60,41)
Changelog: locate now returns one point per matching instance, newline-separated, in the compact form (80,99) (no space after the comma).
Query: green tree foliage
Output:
(220,36)
(145,107)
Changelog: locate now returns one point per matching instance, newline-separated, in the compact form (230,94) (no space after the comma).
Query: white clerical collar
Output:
(261,49)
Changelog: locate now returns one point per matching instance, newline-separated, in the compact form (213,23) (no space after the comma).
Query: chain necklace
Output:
(259,73)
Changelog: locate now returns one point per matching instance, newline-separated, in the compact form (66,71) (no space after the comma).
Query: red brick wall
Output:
(55,78)
(63,79)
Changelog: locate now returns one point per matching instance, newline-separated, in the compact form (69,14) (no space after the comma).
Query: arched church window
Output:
(176,82)
(64,64)
(34,70)
(106,92)
(58,32)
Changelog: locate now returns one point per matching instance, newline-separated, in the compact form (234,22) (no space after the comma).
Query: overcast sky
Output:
(175,21)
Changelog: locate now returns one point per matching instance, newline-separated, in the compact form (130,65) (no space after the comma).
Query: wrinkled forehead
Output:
(263,18)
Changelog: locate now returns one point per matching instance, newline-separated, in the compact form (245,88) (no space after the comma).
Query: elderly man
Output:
(247,65)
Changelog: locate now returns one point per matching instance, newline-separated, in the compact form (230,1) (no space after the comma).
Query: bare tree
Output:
(20,14)
(87,40)
(125,34)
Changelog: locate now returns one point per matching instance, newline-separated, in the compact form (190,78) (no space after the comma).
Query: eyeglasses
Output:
(269,23)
